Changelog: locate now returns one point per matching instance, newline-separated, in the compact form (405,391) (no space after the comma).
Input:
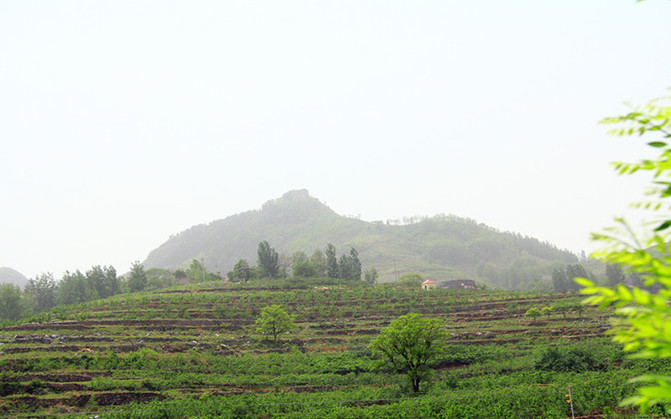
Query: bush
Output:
(568,359)
(8,388)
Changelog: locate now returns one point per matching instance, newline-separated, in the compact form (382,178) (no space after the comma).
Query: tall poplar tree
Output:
(268,260)
(331,261)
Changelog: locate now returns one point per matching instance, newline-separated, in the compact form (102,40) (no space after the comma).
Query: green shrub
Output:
(7,388)
(568,359)
(36,387)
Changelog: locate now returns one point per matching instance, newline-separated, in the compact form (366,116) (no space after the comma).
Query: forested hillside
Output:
(439,247)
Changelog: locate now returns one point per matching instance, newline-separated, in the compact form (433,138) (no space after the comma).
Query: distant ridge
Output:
(439,247)
(12,276)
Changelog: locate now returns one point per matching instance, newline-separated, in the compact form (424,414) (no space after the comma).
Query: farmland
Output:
(194,351)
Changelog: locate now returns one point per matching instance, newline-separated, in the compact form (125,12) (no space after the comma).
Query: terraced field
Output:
(195,352)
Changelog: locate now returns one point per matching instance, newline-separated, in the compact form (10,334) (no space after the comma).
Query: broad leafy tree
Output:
(304,270)
(301,265)
(275,320)
(408,344)
(242,271)
(268,260)
(533,312)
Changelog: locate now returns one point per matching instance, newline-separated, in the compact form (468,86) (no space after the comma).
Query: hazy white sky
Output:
(124,122)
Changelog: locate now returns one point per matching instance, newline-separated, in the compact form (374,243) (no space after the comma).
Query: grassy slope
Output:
(193,351)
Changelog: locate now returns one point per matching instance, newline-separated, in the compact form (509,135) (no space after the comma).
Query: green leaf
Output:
(657,144)
(584,282)
(666,224)
(656,392)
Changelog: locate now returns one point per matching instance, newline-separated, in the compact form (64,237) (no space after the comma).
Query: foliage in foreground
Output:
(643,324)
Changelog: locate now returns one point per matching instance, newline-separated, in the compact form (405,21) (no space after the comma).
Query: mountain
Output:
(12,276)
(439,247)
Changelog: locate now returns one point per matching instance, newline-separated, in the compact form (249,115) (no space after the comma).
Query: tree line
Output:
(320,264)
(563,280)
(44,292)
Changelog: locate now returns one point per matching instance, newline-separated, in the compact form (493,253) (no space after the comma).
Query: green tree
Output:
(644,316)
(302,266)
(575,271)
(562,279)
(75,288)
(331,261)
(533,312)
(137,281)
(304,270)
(242,271)
(275,320)
(41,291)
(356,264)
(318,263)
(104,280)
(559,280)
(197,271)
(564,307)
(408,344)
(411,280)
(349,266)
(10,302)
(268,260)
(547,311)
(159,278)
(299,257)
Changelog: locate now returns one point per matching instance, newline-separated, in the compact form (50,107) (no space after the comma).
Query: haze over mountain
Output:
(12,276)
(439,247)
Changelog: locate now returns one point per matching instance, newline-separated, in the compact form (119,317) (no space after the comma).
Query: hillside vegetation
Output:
(195,351)
(440,247)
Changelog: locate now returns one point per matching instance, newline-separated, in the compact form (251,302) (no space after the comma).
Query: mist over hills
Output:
(12,276)
(439,247)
